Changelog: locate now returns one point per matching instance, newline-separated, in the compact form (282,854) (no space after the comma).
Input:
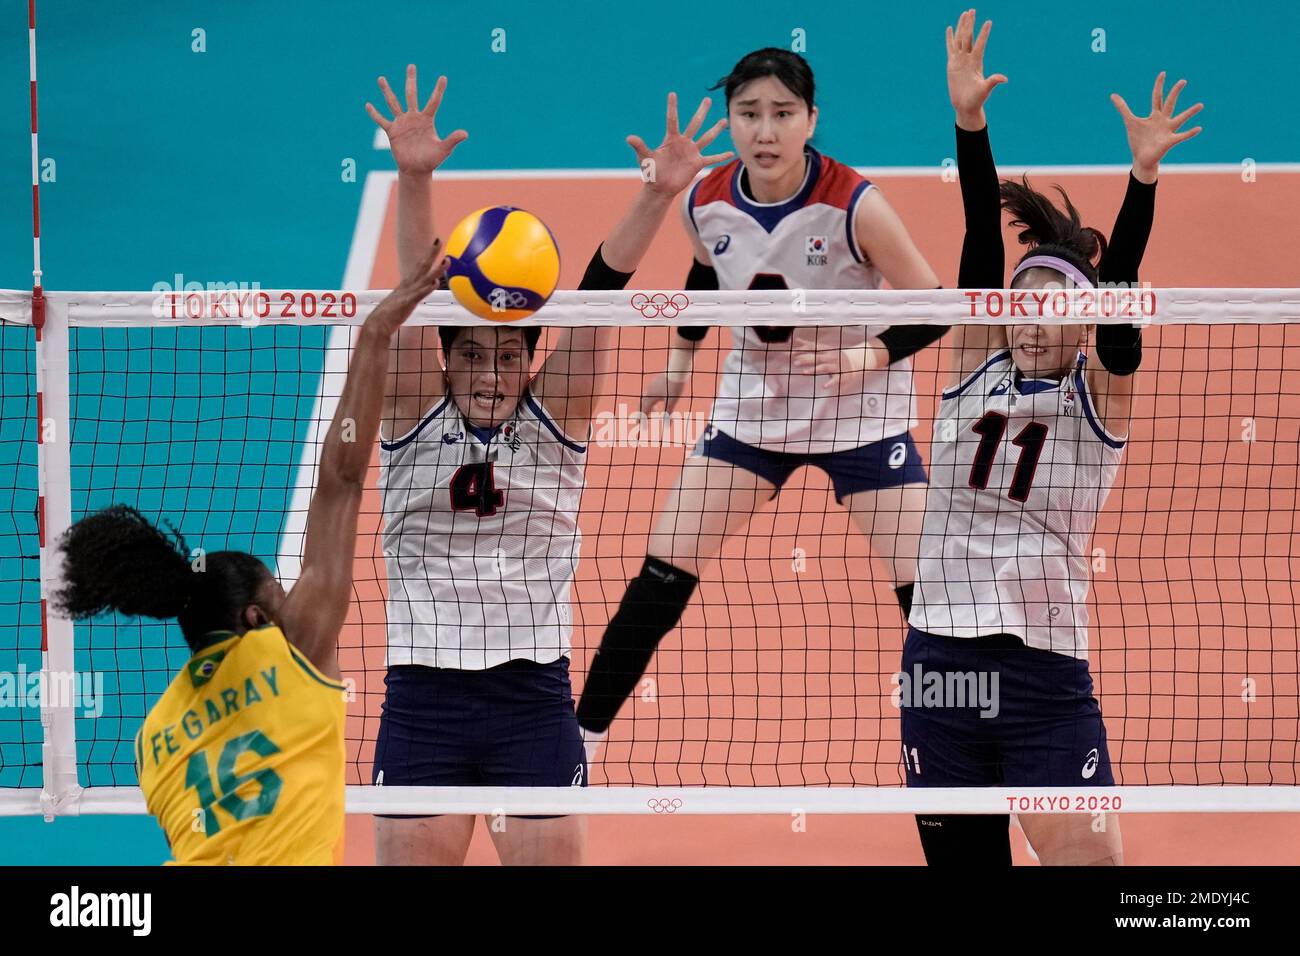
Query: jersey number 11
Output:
(991,428)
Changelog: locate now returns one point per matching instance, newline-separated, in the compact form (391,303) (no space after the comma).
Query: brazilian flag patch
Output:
(203,668)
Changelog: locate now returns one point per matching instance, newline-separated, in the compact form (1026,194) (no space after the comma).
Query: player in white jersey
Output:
(783,215)
(482,472)
(1028,439)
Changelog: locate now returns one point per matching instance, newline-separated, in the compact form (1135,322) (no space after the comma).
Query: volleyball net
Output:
(779,689)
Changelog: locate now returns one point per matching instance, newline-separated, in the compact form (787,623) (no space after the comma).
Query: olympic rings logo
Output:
(664,806)
(502,299)
(659,304)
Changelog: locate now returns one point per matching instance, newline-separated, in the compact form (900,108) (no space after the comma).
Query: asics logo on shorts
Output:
(664,805)
(659,304)
(1090,765)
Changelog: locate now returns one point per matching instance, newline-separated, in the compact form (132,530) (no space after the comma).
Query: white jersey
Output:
(481,539)
(1019,471)
(806,242)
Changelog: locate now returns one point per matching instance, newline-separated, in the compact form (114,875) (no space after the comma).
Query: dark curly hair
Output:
(116,560)
(1050,232)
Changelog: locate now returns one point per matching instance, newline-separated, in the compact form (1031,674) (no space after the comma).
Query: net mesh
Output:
(781,671)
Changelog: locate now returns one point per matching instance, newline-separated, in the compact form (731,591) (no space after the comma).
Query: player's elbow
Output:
(341,482)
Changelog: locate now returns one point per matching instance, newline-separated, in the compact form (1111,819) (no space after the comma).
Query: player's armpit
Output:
(1112,397)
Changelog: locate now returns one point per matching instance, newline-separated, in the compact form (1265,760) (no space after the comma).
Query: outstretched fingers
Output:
(412,89)
(1186,114)
(435,98)
(697,120)
(390,97)
(638,145)
(983,38)
(711,133)
(1157,93)
(382,121)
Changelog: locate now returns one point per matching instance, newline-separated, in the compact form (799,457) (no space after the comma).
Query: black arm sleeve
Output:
(904,341)
(983,261)
(599,276)
(1128,240)
(700,277)
(1119,347)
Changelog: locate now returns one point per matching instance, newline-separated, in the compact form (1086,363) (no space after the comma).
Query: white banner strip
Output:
(770,800)
(253,307)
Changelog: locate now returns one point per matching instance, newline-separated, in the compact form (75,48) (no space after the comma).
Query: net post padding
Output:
(59,788)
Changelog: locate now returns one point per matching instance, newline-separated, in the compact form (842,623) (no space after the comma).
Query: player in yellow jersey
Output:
(241,759)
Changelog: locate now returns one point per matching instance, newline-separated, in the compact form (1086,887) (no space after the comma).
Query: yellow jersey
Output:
(241,759)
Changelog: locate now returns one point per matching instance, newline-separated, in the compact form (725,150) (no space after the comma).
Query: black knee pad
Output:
(965,839)
(651,607)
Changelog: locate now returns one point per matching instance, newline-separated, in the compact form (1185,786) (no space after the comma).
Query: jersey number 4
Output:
(991,428)
(473,489)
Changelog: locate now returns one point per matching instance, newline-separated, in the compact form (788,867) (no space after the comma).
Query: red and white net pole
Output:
(59,789)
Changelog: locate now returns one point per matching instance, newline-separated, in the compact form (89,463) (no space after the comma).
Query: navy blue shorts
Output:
(508,726)
(883,464)
(998,714)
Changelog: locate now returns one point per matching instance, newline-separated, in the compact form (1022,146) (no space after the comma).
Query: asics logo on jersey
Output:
(451,438)
(1002,387)
(664,806)
(659,304)
(1090,765)
(721,245)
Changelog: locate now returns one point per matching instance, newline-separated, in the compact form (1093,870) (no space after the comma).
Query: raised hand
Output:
(1150,137)
(414,138)
(968,87)
(670,168)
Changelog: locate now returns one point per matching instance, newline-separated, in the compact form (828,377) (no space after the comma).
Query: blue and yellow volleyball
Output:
(504,263)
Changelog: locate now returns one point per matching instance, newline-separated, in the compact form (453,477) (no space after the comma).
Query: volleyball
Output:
(504,263)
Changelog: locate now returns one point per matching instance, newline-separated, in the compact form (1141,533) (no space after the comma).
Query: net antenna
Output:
(59,788)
